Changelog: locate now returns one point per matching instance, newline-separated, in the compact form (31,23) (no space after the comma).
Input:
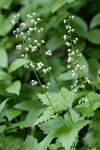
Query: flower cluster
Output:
(73,57)
(30,45)
(15,19)
(83,101)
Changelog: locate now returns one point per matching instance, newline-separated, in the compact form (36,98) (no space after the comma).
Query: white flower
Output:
(65,37)
(67,27)
(42,41)
(33,82)
(18,46)
(32,20)
(87,80)
(30,29)
(26,49)
(68,44)
(65,20)
(23,24)
(35,28)
(44,71)
(71,17)
(69,59)
(35,41)
(39,65)
(38,19)
(41,29)
(72,30)
(34,14)
(13,22)
(48,53)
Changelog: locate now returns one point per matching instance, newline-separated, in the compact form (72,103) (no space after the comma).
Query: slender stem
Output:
(55,81)
(81,81)
(45,92)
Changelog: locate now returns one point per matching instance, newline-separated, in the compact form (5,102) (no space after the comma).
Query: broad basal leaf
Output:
(66,132)
(9,143)
(94,36)
(5,3)
(2,105)
(87,109)
(30,144)
(80,26)
(5,24)
(95,21)
(68,136)
(3,58)
(56,102)
(59,100)
(14,88)
(12,113)
(4,75)
(17,64)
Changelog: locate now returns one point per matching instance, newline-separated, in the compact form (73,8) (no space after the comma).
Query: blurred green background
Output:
(17,113)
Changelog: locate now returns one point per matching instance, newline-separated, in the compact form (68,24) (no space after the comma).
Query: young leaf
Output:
(66,134)
(3,58)
(95,21)
(5,3)
(45,142)
(30,143)
(86,109)
(80,26)
(12,113)
(56,102)
(14,88)
(94,36)
(5,24)
(2,105)
(10,143)
(17,64)
(4,75)
(57,4)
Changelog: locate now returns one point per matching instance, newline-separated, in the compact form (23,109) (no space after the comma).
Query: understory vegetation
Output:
(49,75)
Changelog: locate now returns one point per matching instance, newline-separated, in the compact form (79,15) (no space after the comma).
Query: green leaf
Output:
(80,46)
(54,42)
(56,102)
(80,26)
(2,128)
(5,3)
(65,133)
(57,4)
(65,76)
(4,75)
(12,113)
(45,142)
(70,1)
(68,75)
(68,136)
(93,69)
(14,88)
(5,24)
(89,140)
(95,21)
(30,143)
(94,36)
(17,64)
(9,143)
(28,105)
(2,105)
(46,115)
(3,58)
(87,109)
